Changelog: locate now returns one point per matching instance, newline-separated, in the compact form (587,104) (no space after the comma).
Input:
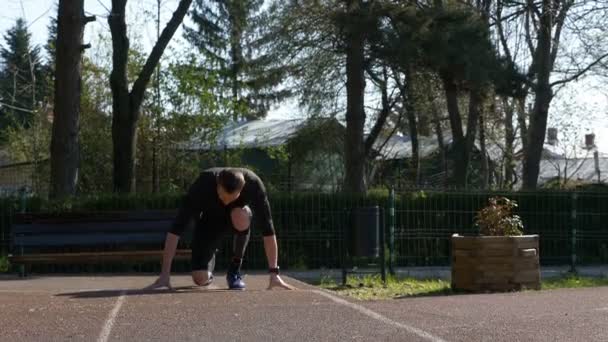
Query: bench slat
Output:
(55,240)
(93,257)
(92,227)
(84,216)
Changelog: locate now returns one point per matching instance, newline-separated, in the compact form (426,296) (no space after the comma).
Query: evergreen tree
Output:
(229,34)
(22,85)
(50,47)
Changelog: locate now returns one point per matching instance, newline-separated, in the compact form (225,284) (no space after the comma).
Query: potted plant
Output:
(500,257)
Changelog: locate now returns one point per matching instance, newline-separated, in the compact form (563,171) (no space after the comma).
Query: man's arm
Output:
(164,279)
(169,252)
(190,208)
(270,246)
(261,209)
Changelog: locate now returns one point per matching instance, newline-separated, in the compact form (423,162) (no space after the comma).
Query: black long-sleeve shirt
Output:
(203,204)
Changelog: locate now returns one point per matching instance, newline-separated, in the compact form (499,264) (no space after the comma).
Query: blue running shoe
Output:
(235,281)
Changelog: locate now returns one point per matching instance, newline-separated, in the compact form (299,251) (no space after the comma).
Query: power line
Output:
(39,17)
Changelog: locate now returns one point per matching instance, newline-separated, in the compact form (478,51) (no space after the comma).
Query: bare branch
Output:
(16,108)
(501,33)
(144,77)
(531,47)
(387,105)
(559,24)
(580,73)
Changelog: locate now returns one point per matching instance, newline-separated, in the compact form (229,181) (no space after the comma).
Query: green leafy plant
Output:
(497,219)
(4,264)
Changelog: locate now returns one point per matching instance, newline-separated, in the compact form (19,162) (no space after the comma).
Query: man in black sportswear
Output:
(222,200)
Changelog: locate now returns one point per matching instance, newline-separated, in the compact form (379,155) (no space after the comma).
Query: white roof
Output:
(581,169)
(400,147)
(251,134)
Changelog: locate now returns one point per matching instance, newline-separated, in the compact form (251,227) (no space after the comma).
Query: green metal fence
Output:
(573,226)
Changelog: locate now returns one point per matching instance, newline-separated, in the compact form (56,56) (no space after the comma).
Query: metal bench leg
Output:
(22,268)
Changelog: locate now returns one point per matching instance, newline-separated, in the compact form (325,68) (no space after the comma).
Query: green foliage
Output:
(95,130)
(4,264)
(453,40)
(573,281)
(229,34)
(109,202)
(22,77)
(310,225)
(372,288)
(497,219)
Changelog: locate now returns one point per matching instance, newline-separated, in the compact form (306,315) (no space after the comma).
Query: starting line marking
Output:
(379,317)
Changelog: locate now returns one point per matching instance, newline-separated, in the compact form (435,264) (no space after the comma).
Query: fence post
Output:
(391,230)
(383,245)
(22,204)
(22,200)
(573,216)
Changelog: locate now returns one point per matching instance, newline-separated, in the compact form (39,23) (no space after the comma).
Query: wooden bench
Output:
(69,238)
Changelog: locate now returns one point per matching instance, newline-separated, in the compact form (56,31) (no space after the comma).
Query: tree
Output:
(549,63)
(452,41)
(126,104)
(65,144)
(51,51)
(328,43)
(230,35)
(355,36)
(21,78)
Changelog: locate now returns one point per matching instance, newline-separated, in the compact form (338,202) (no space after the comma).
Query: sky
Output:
(583,104)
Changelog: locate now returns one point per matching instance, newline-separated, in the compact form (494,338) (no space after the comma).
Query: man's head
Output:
(230,182)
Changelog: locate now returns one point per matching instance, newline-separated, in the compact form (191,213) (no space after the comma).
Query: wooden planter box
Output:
(495,263)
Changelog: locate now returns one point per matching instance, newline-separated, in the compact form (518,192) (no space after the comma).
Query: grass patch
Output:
(4,265)
(371,287)
(573,281)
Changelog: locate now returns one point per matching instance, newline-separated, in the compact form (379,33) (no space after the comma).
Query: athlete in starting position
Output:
(222,200)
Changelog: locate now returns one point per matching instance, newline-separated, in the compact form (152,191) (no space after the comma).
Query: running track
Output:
(112,308)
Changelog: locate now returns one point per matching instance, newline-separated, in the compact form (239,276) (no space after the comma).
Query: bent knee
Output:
(200,278)
(241,218)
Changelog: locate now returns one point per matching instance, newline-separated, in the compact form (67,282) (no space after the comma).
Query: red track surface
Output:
(111,308)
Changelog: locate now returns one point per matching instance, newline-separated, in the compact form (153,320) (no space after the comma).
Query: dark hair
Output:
(231,180)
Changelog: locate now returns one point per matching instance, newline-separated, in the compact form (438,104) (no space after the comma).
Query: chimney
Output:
(590,141)
(552,136)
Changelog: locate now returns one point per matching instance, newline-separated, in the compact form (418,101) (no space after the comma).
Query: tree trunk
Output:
(122,140)
(476,98)
(521,121)
(540,112)
(485,165)
(157,114)
(442,148)
(458,141)
(410,109)
(236,11)
(65,143)
(509,165)
(461,145)
(126,105)
(355,113)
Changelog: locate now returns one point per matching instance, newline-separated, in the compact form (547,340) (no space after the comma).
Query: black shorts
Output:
(206,240)
(205,243)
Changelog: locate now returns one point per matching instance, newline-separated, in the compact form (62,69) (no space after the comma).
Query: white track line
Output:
(107,328)
(379,317)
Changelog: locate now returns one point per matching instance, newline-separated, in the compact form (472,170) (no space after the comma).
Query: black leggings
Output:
(205,244)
